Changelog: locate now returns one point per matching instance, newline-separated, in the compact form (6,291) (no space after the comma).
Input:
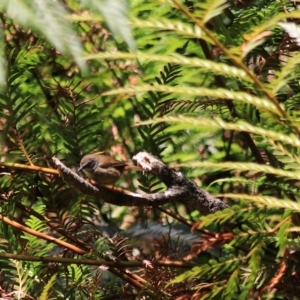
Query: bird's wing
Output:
(111,162)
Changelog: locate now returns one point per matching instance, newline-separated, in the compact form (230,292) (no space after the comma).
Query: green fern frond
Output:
(47,288)
(186,122)
(34,244)
(270,202)
(255,266)
(50,18)
(271,22)
(20,286)
(210,269)
(251,167)
(154,137)
(178,59)
(210,9)
(166,24)
(285,74)
(115,14)
(217,93)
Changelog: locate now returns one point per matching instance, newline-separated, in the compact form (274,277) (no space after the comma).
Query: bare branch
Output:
(179,188)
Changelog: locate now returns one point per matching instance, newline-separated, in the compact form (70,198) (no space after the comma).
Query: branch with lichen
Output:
(179,188)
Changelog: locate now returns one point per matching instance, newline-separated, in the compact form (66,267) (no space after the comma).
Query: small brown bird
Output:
(104,169)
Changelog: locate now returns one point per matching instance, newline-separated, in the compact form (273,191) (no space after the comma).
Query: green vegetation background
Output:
(210,88)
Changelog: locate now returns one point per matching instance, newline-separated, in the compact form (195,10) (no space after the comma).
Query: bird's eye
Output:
(91,165)
(88,165)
